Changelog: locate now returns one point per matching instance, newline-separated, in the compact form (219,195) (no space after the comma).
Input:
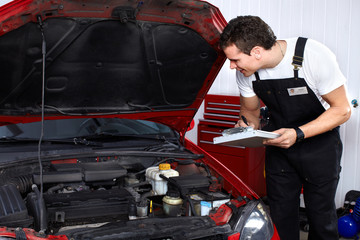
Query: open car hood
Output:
(150,59)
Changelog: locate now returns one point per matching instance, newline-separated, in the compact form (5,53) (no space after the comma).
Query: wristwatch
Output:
(299,134)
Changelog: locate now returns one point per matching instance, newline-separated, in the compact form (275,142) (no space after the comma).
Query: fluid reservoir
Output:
(158,184)
(172,204)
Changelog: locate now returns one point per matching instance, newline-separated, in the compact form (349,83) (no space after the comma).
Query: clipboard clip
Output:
(230,131)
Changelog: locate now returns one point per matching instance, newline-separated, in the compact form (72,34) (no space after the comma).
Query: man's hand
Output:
(242,123)
(286,140)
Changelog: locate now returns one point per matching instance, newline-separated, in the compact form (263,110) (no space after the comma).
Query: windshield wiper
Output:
(124,136)
(15,139)
(167,144)
(80,141)
(84,141)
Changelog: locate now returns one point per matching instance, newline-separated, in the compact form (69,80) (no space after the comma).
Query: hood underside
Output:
(114,57)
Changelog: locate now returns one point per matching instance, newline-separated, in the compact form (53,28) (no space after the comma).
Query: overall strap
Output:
(299,55)
(257,76)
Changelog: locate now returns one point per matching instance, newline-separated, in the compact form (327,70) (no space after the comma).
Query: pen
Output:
(244,120)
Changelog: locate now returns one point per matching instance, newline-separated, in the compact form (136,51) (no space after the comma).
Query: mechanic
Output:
(300,82)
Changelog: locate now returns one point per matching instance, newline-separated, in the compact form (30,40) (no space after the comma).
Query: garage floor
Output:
(304,235)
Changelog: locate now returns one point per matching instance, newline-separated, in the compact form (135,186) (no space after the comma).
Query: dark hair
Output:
(247,32)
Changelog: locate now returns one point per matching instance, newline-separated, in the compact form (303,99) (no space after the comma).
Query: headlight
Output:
(255,223)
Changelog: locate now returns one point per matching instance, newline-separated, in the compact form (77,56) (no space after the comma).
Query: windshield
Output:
(70,128)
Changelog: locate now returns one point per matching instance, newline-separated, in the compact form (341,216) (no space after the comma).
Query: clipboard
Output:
(247,137)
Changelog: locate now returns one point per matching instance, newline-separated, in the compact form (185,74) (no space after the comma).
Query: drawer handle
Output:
(216,133)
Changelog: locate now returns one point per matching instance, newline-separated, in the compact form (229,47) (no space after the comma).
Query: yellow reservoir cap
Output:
(164,166)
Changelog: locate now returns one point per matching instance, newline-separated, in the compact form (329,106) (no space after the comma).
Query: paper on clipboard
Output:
(247,137)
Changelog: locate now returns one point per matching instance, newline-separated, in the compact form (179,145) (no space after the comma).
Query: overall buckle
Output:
(297,62)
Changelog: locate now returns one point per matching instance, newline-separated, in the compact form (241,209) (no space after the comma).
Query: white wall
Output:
(3,2)
(336,23)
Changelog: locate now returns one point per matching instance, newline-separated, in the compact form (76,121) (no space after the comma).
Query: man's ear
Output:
(256,52)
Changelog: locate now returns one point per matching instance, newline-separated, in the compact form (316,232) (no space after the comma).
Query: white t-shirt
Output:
(319,69)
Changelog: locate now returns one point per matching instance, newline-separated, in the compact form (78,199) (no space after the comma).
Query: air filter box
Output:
(13,212)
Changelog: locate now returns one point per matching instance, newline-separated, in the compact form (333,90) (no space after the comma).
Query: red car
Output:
(95,100)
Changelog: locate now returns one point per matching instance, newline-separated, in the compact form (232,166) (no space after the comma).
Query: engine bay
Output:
(109,190)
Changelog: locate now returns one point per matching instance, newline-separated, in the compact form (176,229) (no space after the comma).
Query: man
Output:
(300,82)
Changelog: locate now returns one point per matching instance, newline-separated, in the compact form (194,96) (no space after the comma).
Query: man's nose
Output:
(232,65)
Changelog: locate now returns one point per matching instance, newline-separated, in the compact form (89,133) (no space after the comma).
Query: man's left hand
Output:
(286,140)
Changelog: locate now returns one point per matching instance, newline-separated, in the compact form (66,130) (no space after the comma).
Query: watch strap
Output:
(299,134)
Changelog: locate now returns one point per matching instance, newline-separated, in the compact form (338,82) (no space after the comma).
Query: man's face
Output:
(246,64)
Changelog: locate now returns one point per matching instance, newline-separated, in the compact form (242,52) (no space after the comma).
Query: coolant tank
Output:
(158,184)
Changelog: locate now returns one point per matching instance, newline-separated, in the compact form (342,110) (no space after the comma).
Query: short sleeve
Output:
(326,70)
(245,85)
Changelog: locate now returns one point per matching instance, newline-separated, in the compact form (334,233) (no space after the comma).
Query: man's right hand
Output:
(241,123)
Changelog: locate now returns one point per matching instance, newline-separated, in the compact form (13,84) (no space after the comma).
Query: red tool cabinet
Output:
(222,112)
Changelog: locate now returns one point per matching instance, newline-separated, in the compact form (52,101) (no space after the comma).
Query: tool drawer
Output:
(222,112)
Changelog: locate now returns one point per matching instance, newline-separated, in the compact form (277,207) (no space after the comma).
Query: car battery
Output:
(206,202)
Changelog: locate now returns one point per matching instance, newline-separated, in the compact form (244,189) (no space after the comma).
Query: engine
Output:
(79,192)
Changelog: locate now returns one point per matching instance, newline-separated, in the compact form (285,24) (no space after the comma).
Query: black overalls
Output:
(313,163)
